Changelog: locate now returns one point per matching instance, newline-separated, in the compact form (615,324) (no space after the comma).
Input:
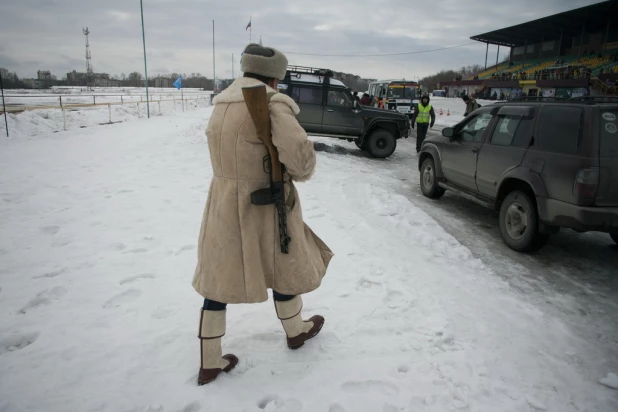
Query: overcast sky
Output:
(47,34)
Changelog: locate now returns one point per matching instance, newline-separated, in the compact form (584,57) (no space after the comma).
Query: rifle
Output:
(256,100)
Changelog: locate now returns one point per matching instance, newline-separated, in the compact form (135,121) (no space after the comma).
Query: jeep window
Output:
(511,131)
(339,98)
(560,129)
(609,133)
(307,95)
(473,130)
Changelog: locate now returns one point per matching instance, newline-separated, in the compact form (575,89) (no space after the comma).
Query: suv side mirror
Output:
(448,132)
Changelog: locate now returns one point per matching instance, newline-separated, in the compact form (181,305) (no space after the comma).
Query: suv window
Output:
(560,129)
(511,131)
(339,99)
(473,130)
(307,95)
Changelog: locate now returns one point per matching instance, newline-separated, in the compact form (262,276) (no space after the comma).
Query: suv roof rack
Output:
(582,99)
(310,70)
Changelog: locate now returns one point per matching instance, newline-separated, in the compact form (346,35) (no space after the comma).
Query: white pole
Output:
(110,113)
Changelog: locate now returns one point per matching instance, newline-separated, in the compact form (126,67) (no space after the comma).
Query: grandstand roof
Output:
(594,18)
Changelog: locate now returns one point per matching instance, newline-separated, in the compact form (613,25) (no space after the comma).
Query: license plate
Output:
(403,109)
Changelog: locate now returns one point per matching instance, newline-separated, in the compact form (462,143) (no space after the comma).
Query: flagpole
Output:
(145,66)
(250,29)
(6,122)
(214,72)
(233,66)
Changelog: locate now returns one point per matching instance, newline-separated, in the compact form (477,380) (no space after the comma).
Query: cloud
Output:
(47,34)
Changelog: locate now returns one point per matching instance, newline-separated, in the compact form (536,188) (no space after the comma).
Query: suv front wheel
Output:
(381,143)
(519,223)
(429,183)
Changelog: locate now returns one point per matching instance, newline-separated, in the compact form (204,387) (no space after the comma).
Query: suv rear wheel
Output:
(519,223)
(614,236)
(381,143)
(429,183)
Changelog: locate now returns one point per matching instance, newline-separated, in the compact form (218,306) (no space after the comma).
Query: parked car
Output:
(327,108)
(544,164)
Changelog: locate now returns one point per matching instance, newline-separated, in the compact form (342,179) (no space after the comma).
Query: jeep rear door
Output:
(505,147)
(309,99)
(608,179)
(340,116)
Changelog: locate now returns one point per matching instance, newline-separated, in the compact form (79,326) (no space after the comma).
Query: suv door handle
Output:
(329,110)
(475,150)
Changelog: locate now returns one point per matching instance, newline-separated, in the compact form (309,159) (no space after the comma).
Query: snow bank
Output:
(99,229)
(45,121)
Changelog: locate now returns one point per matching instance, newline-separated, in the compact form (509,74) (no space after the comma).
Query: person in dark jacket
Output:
(365,100)
(425,117)
(471,105)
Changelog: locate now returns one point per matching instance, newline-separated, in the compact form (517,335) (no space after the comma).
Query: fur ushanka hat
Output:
(265,61)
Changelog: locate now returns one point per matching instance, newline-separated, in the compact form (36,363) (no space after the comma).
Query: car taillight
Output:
(586,183)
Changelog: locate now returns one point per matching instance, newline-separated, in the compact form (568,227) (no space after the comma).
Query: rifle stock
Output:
(257,104)
(256,100)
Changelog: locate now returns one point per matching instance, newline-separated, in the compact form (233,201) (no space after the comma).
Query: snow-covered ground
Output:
(44,121)
(98,229)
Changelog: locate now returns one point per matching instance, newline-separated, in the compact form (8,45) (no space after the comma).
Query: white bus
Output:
(398,95)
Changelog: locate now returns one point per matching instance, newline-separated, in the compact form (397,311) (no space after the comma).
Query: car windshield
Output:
(400,91)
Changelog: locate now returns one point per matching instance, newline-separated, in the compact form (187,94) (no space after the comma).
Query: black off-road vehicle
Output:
(327,108)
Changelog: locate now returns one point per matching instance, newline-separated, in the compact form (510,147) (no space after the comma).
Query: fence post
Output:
(64,118)
(110,113)
(95,99)
(60,101)
(138,110)
(141,98)
(159,106)
(121,100)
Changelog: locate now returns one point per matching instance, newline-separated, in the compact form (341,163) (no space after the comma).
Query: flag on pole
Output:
(248,25)
(178,83)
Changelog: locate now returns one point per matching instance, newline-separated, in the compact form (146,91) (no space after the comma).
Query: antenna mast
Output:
(89,71)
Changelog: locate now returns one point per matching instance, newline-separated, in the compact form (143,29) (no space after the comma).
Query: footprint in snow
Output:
(164,312)
(44,298)
(287,405)
(50,230)
(118,246)
(51,274)
(185,248)
(368,387)
(138,250)
(122,298)
(192,407)
(335,407)
(17,342)
(135,278)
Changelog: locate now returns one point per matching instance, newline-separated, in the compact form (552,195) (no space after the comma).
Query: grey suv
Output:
(327,108)
(544,164)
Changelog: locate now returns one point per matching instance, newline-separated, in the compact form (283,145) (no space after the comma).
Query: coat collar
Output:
(233,94)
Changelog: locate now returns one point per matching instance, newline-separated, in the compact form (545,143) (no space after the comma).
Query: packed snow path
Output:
(97,250)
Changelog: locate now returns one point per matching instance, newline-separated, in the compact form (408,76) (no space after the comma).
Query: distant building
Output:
(100,79)
(32,83)
(45,75)
(162,82)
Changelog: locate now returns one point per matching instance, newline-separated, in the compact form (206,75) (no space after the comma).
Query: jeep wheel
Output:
(614,236)
(519,223)
(358,144)
(429,183)
(381,143)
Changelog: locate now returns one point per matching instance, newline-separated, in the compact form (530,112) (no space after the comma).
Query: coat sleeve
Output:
(295,149)
(433,116)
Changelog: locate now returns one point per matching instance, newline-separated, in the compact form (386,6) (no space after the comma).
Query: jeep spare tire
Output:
(381,143)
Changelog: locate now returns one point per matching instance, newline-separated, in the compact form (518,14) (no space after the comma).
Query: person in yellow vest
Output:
(425,117)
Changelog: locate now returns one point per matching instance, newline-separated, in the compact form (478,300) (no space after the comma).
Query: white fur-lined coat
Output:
(239,256)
